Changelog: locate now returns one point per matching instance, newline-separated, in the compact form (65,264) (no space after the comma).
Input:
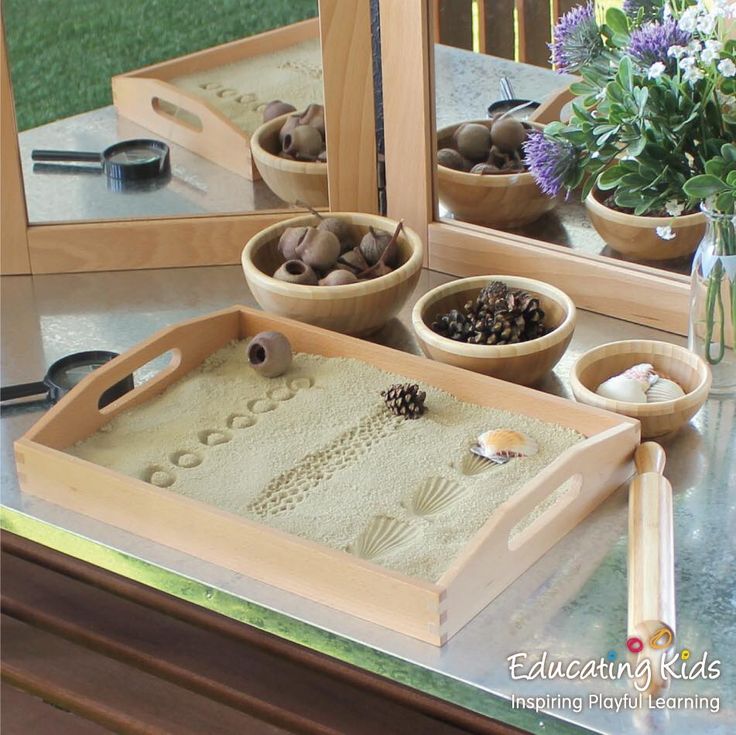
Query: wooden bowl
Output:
(671,361)
(636,236)
(499,200)
(293,181)
(358,308)
(525,363)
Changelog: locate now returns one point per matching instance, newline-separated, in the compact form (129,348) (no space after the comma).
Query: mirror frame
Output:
(629,291)
(345,34)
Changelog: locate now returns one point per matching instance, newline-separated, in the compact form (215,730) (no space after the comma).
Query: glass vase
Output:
(713,301)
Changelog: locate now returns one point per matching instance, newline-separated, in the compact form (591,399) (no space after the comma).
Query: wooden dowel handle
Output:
(650,457)
(651,555)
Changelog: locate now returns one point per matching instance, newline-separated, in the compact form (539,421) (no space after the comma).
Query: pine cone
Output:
(453,325)
(405,399)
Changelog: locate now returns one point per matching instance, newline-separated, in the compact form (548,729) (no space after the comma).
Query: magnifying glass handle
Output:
(11,392)
(89,156)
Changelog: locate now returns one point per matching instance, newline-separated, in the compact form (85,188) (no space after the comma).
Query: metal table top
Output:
(571,604)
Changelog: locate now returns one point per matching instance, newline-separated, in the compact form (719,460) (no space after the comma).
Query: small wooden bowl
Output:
(358,308)
(525,363)
(672,361)
(498,200)
(636,237)
(296,182)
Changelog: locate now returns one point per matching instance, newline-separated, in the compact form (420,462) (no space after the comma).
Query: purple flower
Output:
(577,39)
(551,161)
(650,9)
(649,44)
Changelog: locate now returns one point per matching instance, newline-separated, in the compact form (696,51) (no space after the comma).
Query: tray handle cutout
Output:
(176,114)
(557,500)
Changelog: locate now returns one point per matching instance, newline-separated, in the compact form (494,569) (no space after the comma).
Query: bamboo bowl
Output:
(525,363)
(499,200)
(636,236)
(358,308)
(296,182)
(672,361)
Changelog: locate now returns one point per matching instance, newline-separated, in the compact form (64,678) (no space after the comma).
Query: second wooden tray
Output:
(432,612)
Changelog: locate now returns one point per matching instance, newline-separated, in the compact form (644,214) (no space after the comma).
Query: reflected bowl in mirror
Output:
(356,308)
(670,361)
(497,200)
(636,236)
(524,362)
(296,182)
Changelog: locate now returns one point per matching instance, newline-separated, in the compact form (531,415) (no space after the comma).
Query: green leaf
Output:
(617,21)
(703,186)
(715,167)
(582,89)
(610,178)
(624,75)
(728,151)
(731,178)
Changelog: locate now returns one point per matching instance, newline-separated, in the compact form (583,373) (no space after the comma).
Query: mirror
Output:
(158,71)
(485,53)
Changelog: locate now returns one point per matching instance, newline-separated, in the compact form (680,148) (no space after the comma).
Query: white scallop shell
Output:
(473,464)
(664,390)
(621,388)
(505,443)
(643,373)
(382,534)
(433,496)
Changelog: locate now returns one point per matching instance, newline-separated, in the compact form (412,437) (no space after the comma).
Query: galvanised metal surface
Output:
(571,604)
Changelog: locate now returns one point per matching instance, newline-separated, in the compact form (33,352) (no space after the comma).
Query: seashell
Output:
(643,373)
(664,390)
(473,464)
(621,388)
(433,496)
(499,445)
(382,534)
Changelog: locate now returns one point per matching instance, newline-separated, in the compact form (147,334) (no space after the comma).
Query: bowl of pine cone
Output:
(511,328)
(482,176)
(346,271)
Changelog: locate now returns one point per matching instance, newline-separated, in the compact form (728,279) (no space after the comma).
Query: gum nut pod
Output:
(276,108)
(319,249)
(508,134)
(339,277)
(314,116)
(340,229)
(289,241)
(473,141)
(269,354)
(621,388)
(373,244)
(291,122)
(354,260)
(304,142)
(450,158)
(294,271)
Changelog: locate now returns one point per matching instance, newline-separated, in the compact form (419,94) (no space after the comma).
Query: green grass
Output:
(62,53)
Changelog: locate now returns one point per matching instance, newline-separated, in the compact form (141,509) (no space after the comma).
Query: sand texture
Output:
(315,453)
(241,90)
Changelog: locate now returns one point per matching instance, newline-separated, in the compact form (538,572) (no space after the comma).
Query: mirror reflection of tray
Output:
(210,102)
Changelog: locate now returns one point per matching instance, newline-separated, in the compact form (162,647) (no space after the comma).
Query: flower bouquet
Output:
(656,101)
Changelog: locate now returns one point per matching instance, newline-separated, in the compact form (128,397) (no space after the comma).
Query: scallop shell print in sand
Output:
(383,534)
(433,496)
(502,444)
(473,464)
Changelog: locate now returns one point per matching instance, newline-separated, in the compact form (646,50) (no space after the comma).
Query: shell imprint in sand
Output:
(501,445)
(382,534)
(473,464)
(433,496)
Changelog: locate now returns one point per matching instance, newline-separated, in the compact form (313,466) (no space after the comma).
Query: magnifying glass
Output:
(509,103)
(127,160)
(64,374)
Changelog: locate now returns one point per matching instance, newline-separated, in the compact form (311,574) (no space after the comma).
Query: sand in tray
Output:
(316,453)
(242,89)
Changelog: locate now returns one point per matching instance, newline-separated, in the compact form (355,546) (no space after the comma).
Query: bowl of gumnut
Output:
(482,176)
(290,153)
(346,271)
(511,328)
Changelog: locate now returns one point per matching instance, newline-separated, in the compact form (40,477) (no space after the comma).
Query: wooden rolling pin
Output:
(651,559)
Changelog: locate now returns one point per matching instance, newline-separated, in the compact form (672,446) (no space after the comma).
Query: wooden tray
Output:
(147,97)
(429,611)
